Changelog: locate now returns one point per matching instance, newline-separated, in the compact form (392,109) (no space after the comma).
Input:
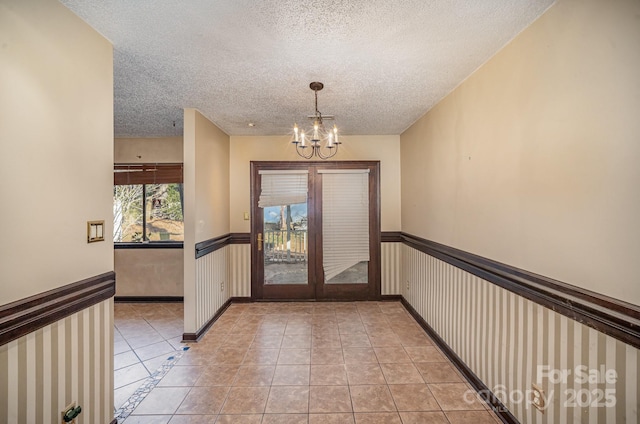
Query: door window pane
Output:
(285,244)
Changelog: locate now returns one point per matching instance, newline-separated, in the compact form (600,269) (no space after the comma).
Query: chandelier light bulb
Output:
(295,133)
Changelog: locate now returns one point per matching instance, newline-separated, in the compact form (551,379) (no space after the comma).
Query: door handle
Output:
(259,242)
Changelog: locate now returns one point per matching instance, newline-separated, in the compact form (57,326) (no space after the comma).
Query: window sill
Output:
(151,245)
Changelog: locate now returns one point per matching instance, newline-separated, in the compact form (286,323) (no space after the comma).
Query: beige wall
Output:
(385,148)
(212,180)
(148,150)
(533,160)
(206,198)
(149,272)
(56,168)
(56,132)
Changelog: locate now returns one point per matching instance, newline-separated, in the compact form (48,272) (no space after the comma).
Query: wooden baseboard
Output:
(391,298)
(148,299)
(194,337)
(483,391)
(240,300)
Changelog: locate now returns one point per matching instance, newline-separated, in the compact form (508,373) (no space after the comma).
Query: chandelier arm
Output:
(316,148)
(300,149)
(331,154)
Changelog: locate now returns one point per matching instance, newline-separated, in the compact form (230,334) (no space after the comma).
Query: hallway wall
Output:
(57,159)
(510,343)
(56,167)
(206,208)
(532,161)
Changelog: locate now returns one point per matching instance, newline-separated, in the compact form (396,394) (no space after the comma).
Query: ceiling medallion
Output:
(318,133)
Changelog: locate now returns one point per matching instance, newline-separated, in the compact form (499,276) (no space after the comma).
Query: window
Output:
(148,203)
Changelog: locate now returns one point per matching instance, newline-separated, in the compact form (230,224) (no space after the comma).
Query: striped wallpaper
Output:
(69,360)
(240,269)
(390,268)
(510,343)
(212,284)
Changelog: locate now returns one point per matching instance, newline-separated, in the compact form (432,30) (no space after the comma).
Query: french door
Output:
(315,230)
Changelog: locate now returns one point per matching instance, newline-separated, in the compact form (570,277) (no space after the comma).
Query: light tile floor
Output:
(144,336)
(289,363)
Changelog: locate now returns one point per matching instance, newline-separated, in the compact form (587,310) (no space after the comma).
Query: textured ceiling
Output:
(384,63)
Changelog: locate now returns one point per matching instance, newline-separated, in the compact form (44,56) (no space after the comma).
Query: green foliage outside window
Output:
(148,213)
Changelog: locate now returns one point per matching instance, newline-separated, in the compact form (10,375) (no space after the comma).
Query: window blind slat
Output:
(283,189)
(165,173)
(345,220)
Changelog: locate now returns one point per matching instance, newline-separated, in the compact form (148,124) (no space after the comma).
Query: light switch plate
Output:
(95,231)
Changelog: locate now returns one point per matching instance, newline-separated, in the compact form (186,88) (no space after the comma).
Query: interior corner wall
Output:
(244,149)
(206,216)
(56,167)
(533,160)
(149,272)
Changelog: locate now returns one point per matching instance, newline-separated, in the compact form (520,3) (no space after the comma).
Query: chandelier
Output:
(311,145)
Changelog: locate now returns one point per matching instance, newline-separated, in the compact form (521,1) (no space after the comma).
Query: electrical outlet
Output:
(69,413)
(537,397)
(222,286)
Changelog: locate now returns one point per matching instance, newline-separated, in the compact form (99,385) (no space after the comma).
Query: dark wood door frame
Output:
(316,289)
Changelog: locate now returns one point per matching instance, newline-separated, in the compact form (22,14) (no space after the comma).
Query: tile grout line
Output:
(348,331)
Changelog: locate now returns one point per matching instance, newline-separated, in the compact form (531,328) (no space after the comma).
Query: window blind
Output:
(345,219)
(283,187)
(147,173)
